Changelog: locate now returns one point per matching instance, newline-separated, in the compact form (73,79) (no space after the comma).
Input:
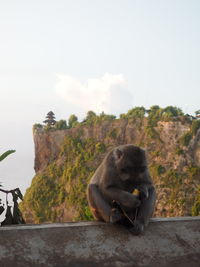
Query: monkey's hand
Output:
(144,193)
(116,215)
(130,202)
(126,200)
(137,228)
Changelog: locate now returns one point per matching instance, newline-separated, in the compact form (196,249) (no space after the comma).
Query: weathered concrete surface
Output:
(167,242)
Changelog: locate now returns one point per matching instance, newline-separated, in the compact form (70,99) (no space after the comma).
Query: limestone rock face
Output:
(117,132)
(47,147)
(194,149)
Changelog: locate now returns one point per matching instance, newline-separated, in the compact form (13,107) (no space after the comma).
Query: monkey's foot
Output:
(137,228)
(115,215)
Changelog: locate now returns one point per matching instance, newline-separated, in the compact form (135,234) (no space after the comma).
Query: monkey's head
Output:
(130,162)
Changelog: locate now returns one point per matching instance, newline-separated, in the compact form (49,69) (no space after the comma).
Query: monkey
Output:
(109,192)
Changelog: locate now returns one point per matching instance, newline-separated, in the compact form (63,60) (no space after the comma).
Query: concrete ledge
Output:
(167,242)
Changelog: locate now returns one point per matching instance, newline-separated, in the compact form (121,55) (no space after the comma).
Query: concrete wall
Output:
(167,242)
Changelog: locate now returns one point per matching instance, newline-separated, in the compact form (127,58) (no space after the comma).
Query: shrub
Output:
(152,133)
(100,147)
(155,153)
(196,205)
(112,134)
(195,126)
(67,183)
(108,117)
(91,115)
(137,112)
(154,115)
(170,112)
(61,125)
(157,170)
(72,121)
(193,171)
(185,139)
(179,151)
(37,126)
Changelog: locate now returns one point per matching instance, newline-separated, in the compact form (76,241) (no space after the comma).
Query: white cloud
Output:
(108,93)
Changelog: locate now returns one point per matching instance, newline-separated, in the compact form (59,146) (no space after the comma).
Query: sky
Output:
(71,56)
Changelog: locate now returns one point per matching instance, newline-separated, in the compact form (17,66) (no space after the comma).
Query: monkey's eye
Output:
(125,170)
(142,168)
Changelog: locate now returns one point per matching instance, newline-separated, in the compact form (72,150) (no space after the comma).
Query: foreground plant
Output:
(14,217)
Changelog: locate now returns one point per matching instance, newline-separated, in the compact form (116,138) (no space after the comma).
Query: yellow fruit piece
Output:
(136,192)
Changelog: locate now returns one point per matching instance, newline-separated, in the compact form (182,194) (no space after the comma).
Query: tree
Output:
(50,119)
(155,113)
(72,121)
(103,116)
(171,111)
(154,108)
(91,115)
(91,118)
(61,125)
(137,112)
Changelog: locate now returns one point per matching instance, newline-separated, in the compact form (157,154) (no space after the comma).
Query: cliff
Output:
(48,144)
(66,159)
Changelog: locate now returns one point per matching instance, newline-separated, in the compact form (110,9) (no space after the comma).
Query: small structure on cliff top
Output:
(197,114)
(50,119)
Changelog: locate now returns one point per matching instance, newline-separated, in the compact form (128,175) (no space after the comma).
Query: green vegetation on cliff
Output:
(64,184)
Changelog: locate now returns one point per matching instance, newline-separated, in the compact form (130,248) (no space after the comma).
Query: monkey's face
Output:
(131,164)
(132,172)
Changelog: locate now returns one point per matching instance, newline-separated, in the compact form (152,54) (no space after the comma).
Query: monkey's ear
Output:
(117,153)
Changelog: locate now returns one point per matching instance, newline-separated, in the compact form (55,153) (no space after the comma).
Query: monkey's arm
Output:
(147,207)
(145,211)
(101,209)
(125,199)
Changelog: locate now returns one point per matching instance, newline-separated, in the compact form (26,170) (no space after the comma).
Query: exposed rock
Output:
(48,143)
